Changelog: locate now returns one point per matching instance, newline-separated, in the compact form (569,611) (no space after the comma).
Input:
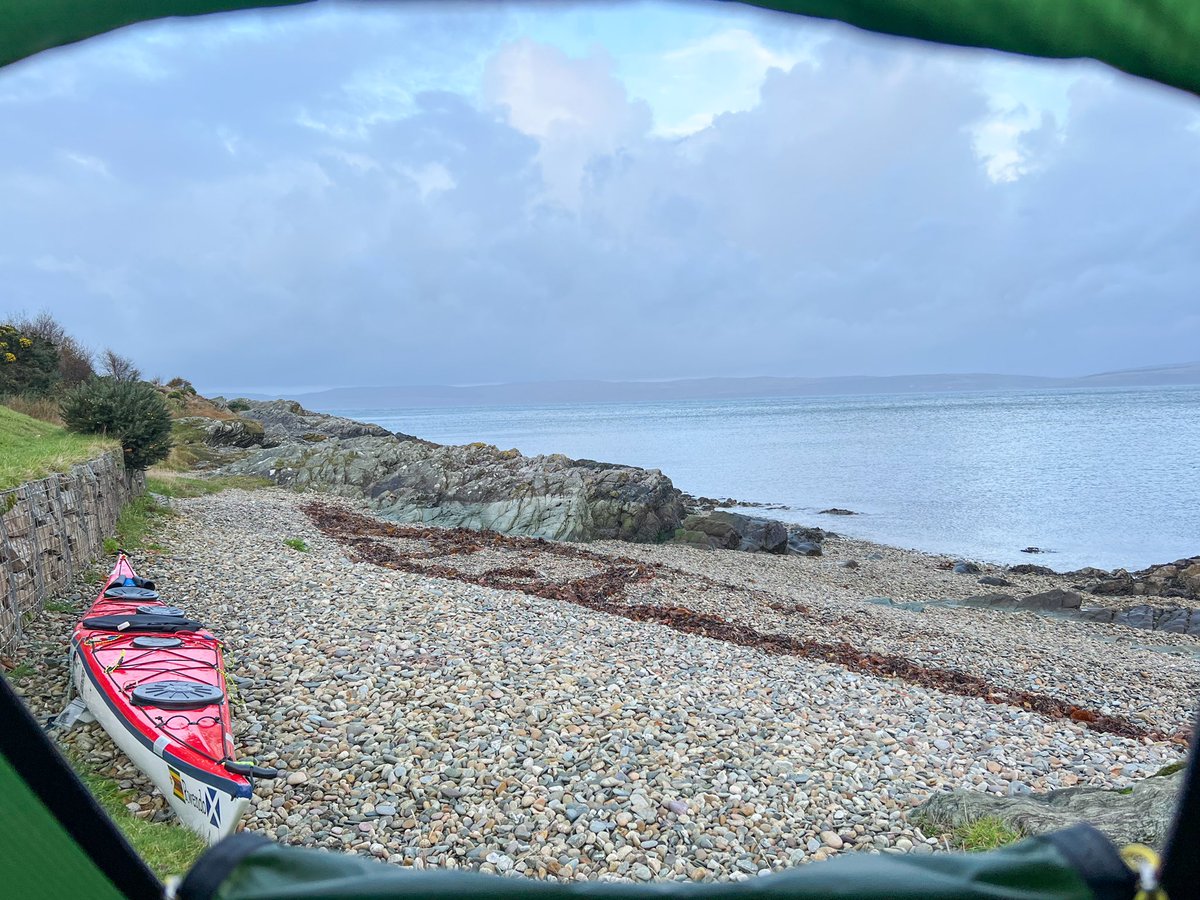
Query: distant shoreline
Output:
(717,389)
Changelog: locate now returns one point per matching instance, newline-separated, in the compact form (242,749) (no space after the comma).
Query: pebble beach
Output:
(432,721)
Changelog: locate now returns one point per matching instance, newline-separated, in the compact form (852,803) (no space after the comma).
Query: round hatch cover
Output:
(130,593)
(161,611)
(176,695)
(156,643)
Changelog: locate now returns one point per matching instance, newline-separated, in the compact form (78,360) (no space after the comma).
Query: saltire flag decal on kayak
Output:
(212,806)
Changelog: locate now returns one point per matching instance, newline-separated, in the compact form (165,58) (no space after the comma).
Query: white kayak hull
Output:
(205,803)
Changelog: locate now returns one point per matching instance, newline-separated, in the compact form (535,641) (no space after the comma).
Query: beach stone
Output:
(995,581)
(965,567)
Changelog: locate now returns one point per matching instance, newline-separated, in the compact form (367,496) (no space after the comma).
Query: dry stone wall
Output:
(52,528)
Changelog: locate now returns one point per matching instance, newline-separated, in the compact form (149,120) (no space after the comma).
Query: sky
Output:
(408,193)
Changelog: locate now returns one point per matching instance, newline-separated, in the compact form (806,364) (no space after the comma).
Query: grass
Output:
(31,449)
(167,848)
(138,519)
(44,408)
(1171,768)
(987,833)
(60,606)
(173,484)
(297,544)
(19,672)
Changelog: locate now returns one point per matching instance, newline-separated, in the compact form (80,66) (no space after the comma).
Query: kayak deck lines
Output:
(156,682)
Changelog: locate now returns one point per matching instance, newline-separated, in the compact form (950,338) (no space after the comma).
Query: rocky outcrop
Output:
(236,433)
(285,420)
(478,486)
(1141,815)
(1179,579)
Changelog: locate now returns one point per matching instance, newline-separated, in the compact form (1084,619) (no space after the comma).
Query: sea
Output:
(1107,477)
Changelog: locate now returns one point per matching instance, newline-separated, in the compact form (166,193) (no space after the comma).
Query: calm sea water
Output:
(1106,477)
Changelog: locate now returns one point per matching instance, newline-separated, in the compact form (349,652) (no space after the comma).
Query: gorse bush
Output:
(28,362)
(133,412)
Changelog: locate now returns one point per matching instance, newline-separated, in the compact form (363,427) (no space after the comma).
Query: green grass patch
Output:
(167,847)
(173,484)
(60,606)
(1171,768)
(138,519)
(20,672)
(32,449)
(297,544)
(987,833)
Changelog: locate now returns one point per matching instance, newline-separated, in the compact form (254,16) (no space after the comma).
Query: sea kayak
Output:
(155,680)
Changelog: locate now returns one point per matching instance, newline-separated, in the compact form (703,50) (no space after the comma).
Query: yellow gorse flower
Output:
(10,357)
(25,342)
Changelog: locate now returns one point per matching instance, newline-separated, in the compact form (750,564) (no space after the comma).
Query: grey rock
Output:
(837,511)
(1097,614)
(1142,815)
(237,433)
(1174,621)
(477,486)
(995,581)
(965,567)
(733,531)
(1137,617)
(1051,601)
(996,601)
(1030,569)
(848,564)
(285,420)
(803,548)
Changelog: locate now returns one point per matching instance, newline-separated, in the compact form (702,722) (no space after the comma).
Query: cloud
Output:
(576,108)
(527,219)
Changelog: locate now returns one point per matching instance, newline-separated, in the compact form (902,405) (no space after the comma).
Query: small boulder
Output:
(1030,569)
(837,511)
(965,567)
(995,581)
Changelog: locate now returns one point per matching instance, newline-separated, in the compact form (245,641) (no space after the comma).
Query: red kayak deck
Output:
(194,741)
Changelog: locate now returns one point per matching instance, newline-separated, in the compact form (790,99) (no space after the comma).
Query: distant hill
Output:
(408,396)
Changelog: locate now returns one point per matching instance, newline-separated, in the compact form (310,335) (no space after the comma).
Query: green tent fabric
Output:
(1156,39)
(246,867)
(57,844)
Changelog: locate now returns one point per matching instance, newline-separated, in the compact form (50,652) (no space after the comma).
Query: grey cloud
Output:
(845,225)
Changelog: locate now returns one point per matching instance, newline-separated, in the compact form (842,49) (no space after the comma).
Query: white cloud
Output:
(87,162)
(576,108)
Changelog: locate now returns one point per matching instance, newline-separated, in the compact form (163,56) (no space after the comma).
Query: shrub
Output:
(182,385)
(28,363)
(74,359)
(238,405)
(133,412)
